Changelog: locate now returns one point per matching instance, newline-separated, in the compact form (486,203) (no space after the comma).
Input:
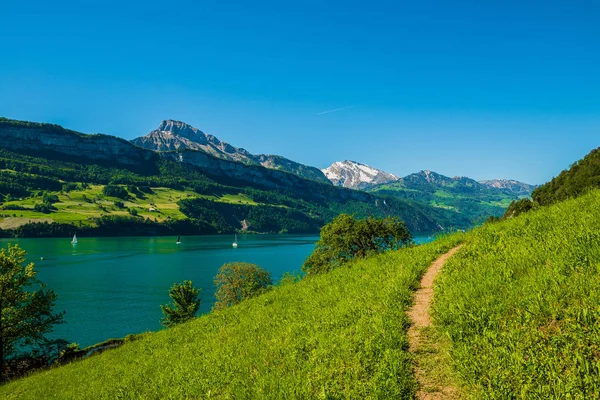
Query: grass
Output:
(433,362)
(338,335)
(521,305)
(83,206)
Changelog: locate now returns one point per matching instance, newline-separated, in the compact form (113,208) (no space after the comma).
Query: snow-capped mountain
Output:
(354,175)
(176,135)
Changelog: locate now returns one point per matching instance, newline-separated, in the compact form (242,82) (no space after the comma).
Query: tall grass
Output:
(337,335)
(521,304)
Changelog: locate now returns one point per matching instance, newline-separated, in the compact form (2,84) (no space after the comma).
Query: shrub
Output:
(518,207)
(115,191)
(185,304)
(50,198)
(45,208)
(346,238)
(238,281)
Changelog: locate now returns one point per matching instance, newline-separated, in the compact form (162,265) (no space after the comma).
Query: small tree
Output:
(518,207)
(186,302)
(25,305)
(238,281)
(346,238)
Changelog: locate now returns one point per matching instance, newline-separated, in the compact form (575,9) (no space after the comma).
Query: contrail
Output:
(337,109)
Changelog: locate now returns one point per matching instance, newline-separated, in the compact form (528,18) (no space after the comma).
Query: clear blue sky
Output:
(484,89)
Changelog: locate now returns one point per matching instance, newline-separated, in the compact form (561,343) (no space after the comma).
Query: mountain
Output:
(176,136)
(573,182)
(54,140)
(510,186)
(475,200)
(354,175)
(51,174)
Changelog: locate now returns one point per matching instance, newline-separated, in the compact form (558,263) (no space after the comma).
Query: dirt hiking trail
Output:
(420,335)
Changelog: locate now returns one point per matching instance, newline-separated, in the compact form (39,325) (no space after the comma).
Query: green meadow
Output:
(337,335)
(521,305)
(85,205)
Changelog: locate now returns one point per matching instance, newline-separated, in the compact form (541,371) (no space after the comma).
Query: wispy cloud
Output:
(337,109)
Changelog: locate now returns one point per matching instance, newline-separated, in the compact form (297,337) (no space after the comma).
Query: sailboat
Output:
(178,240)
(235,242)
(74,241)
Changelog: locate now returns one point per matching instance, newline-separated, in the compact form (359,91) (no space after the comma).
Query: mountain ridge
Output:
(222,193)
(172,135)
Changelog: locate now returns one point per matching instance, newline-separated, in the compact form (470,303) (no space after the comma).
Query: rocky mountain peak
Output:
(177,135)
(355,175)
(177,128)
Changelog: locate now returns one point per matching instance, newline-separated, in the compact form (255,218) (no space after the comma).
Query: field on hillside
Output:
(337,335)
(81,207)
(521,304)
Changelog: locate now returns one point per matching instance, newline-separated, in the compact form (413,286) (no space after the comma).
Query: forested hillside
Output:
(474,200)
(579,178)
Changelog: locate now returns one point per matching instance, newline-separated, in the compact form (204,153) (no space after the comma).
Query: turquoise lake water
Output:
(111,287)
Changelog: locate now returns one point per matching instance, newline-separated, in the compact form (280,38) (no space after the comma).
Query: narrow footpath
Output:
(423,343)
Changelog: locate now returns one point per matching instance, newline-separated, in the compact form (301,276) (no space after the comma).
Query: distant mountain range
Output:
(475,200)
(176,135)
(52,174)
(355,175)
(180,157)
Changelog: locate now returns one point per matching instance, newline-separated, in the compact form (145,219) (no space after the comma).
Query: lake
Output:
(111,287)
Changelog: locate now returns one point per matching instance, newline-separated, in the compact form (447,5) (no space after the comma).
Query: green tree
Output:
(186,302)
(518,207)
(346,238)
(26,305)
(115,191)
(238,281)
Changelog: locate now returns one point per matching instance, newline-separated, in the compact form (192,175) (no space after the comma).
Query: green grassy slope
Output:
(521,304)
(338,335)
(83,206)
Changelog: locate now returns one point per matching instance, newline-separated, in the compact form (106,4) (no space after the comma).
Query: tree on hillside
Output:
(26,305)
(517,207)
(238,281)
(346,238)
(115,191)
(186,302)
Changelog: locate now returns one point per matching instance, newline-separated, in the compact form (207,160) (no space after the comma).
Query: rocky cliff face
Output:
(439,180)
(48,139)
(510,186)
(260,176)
(176,135)
(354,175)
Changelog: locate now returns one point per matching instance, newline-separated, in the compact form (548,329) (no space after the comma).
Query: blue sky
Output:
(484,89)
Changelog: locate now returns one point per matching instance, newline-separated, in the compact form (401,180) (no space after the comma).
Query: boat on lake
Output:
(74,241)
(235,244)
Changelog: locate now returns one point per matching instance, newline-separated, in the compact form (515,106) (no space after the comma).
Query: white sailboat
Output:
(235,242)
(178,240)
(74,241)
